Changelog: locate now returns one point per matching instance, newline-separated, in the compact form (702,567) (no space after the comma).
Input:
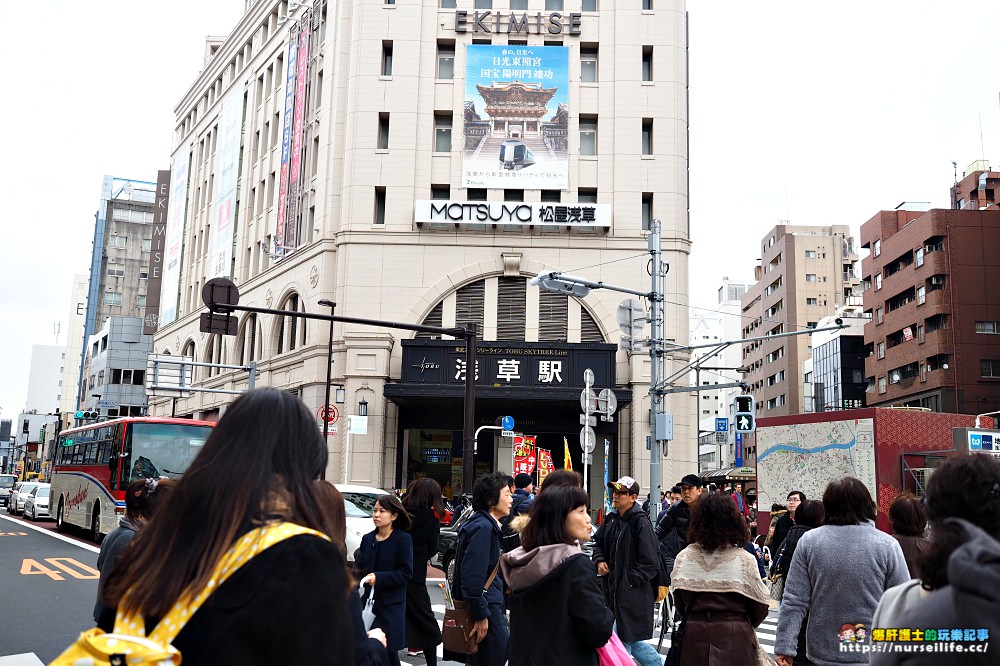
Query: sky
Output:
(813,113)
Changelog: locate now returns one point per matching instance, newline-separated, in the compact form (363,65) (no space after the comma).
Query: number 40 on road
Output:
(65,564)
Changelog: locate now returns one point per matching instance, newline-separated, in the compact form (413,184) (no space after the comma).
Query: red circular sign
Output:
(327,413)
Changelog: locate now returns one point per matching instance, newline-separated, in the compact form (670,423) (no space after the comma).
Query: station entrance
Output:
(537,384)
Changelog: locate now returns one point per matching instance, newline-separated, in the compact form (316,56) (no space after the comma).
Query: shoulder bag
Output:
(677,638)
(129,645)
(458,628)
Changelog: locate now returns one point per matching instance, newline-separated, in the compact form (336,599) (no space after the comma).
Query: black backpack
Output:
(509,539)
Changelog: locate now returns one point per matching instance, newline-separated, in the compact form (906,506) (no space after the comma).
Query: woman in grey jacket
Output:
(837,576)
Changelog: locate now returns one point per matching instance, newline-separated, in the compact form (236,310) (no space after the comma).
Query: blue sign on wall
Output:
(739,450)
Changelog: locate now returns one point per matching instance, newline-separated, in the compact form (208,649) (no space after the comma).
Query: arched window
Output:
(213,354)
(247,340)
(189,349)
(291,330)
(511,299)
(590,331)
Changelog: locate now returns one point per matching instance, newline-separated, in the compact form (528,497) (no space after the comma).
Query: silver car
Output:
(36,505)
(19,495)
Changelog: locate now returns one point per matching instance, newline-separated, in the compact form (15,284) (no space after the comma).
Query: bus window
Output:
(161,449)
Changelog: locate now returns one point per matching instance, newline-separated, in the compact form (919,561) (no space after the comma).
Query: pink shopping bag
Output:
(614,653)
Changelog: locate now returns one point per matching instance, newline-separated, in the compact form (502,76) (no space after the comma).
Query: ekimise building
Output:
(419,162)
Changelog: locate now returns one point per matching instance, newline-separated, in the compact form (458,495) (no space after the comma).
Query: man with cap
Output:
(626,555)
(672,525)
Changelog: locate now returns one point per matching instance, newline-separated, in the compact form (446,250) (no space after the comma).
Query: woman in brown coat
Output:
(717,586)
(909,520)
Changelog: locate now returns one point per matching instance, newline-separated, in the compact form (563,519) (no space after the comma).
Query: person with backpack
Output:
(671,525)
(243,528)
(626,555)
(522,499)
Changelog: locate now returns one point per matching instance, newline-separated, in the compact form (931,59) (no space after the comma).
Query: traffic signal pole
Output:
(221,297)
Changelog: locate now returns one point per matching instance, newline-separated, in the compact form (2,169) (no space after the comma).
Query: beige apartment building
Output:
(805,273)
(419,162)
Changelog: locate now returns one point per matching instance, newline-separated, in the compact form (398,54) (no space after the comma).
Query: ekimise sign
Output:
(514,24)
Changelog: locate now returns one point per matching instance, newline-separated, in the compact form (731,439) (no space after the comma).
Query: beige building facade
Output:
(805,273)
(419,164)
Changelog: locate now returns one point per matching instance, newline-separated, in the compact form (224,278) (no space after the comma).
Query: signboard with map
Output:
(807,456)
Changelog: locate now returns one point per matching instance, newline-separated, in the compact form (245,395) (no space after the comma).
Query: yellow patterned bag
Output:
(128,645)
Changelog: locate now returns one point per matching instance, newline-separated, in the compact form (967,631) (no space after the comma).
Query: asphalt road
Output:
(49,584)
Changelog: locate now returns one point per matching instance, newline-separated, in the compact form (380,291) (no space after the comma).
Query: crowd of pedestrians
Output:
(537,599)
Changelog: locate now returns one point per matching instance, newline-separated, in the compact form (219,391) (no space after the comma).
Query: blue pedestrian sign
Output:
(722,425)
(507,422)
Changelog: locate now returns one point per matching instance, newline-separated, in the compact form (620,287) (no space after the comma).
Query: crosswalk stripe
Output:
(766,634)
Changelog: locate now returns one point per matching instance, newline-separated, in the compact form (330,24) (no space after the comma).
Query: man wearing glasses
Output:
(785,523)
(626,555)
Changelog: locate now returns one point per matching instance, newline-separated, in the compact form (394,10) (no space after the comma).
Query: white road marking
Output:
(54,535)
(27,659)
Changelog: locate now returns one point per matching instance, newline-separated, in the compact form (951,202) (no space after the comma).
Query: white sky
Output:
(816,114)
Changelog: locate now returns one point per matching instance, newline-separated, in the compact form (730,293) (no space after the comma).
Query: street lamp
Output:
(363,407)
(340,396)
(660,425)
(329,369)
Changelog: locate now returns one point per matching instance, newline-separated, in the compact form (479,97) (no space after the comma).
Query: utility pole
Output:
(660,427)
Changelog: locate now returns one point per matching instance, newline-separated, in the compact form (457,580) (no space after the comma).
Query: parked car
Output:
(7,482)
(359,502)
(36,505)
(18,494)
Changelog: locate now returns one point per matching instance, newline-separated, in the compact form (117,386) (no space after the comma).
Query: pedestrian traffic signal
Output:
(744,417)
(87,414)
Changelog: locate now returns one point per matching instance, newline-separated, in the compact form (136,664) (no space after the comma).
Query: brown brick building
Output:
(930,288)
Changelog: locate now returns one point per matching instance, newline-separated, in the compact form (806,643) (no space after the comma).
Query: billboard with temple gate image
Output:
(516,117)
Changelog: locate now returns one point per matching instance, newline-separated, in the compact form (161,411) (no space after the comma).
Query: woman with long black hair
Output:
(256,470)
(423,502)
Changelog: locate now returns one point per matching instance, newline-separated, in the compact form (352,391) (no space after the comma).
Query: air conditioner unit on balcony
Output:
(922,475)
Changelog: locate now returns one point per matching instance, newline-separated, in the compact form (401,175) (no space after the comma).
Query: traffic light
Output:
(87,414)
(745,420)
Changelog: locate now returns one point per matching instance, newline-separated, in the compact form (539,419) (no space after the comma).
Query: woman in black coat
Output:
(478,554)
(557,610)
(386,554)
(423,502)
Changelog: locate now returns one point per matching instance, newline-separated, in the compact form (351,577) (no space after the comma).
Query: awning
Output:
(731,474)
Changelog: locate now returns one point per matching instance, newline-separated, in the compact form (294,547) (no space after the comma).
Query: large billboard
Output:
(516,117)
(226,176)
(286,146)
(175,237)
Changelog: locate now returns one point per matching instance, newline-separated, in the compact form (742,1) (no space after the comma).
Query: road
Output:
(765,632)
(49,584)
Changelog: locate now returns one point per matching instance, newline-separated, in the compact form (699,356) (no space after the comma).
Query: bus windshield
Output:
(162,449)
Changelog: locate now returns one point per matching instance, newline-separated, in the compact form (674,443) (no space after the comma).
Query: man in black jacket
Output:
(672,525)
(625,553)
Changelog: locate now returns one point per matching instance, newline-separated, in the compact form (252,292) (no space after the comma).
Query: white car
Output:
(36,505)
(18,496)
(359,502)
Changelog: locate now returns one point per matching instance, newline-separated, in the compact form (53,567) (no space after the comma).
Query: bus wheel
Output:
(95,524)
(60,519)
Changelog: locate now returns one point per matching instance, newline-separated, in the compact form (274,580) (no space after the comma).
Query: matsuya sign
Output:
(513,23)
(508,212)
